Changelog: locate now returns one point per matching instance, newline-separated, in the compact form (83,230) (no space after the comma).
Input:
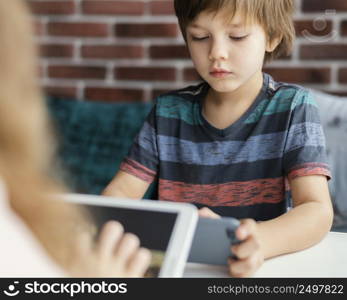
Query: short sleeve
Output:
(305,149)
(142,159)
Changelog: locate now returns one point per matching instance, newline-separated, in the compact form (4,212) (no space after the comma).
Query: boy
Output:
(235,144)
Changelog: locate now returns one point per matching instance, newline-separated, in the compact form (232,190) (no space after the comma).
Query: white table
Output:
(326,259)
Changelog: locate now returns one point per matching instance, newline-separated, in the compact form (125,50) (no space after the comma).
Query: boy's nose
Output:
(218,51)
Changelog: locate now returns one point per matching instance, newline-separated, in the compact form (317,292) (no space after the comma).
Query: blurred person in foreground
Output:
(39,236)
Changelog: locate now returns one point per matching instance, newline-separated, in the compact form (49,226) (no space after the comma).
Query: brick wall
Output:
(132,50)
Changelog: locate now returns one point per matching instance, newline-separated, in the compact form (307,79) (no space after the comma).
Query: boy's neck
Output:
(223,109)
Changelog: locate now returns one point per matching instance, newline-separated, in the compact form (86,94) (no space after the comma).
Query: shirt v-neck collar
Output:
(229,130)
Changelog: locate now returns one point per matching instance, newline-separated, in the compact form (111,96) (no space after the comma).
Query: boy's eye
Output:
(198,38)
(238,38)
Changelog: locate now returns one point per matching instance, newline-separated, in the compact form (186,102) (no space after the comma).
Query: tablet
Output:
(212,241)
(165,228)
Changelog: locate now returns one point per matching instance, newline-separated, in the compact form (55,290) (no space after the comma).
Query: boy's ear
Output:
(273,43)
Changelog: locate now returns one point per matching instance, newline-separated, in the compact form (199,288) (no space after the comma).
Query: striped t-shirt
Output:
(239,171)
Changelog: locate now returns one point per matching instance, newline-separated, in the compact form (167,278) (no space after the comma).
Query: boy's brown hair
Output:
(275,16)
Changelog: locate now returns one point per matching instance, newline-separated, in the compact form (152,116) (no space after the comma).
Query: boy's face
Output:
(225,54)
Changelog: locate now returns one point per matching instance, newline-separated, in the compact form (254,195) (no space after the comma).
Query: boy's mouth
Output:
(220,73)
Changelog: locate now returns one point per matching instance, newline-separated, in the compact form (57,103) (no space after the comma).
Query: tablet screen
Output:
(154,228)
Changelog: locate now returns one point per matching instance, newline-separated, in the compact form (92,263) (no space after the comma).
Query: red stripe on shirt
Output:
(244,193)
(309,169)
(134,168)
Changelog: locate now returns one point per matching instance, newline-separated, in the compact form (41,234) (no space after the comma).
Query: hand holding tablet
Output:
(165,228)
(173,232)
(112,254)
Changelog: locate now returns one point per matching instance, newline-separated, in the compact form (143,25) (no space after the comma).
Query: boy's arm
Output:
(304,225)
(125,185)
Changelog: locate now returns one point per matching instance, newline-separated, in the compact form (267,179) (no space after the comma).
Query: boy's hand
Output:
(207,213)
(248,252)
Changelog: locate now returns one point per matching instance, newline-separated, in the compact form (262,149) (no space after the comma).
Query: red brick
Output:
(323,5)
(343,75)
(77,29)
(158,92)
(191,74)
(39,27)
(169,52)
(76,72)
(56,50)
(145,73)
(342,93)
(113,94)
(313,27)
(301,75)
(113,7)
(136,30)
(112,51)
(161,8)
(52,7)
(61,91)
(332,52)
(344,28)
(40,70)
(284,57)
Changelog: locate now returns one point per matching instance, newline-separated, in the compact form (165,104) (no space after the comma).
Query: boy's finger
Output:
(205,212)
(246,228)
(246,248)
(236,267)
(242,268)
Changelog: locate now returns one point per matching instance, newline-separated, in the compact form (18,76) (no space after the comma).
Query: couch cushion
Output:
(94,138)
(333,113)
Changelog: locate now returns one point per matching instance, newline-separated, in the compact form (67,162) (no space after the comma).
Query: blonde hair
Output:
(275,16)
(26,143)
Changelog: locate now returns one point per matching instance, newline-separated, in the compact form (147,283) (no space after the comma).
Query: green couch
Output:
(94,137)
